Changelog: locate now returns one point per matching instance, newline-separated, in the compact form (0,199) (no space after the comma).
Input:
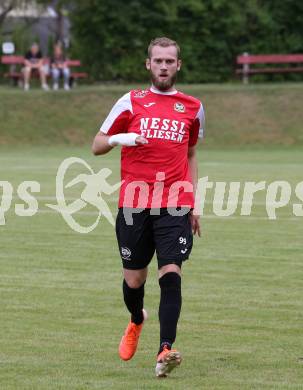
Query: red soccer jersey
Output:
(156,174)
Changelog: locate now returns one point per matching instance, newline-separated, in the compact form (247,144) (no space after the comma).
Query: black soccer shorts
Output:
(170,236)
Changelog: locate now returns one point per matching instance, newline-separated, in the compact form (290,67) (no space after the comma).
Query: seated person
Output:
(34,62)
(59,68)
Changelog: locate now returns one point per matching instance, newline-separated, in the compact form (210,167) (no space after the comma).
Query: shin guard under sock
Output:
(133,298)
(169,308)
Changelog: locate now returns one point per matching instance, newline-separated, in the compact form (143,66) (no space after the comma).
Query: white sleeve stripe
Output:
(122,105)
(200,115)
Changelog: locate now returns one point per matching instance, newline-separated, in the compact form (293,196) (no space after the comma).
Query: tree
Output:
(6,7)
(111,36)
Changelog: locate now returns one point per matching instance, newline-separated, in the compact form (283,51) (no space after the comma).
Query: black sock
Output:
(133,298)
(163,345)
(170,307)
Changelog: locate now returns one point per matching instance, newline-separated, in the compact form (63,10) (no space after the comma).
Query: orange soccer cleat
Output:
(167,360)
(130,339)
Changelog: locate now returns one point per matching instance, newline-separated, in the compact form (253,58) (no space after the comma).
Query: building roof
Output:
(31,10)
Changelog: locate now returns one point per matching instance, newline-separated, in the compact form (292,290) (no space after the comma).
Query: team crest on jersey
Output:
(179,107)
(140,93)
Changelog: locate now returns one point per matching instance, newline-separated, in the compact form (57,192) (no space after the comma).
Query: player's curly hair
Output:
(164,42)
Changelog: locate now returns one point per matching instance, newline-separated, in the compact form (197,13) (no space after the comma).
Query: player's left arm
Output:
(193,169)
(196,133)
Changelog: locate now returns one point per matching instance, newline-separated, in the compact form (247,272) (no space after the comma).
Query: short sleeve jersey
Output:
(33,58)
(156,174)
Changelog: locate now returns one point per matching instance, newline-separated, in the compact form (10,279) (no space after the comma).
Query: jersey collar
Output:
(155,90)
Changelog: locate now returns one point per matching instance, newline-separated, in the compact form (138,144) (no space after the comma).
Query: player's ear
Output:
(179,64)
(147,63)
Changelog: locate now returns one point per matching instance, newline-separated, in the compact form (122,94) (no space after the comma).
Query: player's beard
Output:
(163,85)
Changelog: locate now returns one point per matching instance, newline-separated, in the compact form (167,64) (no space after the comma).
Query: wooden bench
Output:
(74,76)
(294,61)
(15,64)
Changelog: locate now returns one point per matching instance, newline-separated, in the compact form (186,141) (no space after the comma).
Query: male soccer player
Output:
(158,129)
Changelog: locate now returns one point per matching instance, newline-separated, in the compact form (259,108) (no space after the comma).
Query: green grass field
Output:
(267,114)
(61,307)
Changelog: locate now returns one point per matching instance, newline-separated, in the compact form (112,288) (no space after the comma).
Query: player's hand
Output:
(195,223)
(141,140)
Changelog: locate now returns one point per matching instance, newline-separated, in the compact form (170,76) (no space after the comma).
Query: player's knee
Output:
(135,278)
(134,282)
(168,268)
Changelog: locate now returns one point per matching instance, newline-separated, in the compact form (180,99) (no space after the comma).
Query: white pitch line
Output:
(69,198)
(115,199)
(206,216)
(218,163)
(202,163)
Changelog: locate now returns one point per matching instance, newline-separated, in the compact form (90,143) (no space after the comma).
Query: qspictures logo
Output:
(95,186)
(226,200)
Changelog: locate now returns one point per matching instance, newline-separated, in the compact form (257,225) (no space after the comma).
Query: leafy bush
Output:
(112,36)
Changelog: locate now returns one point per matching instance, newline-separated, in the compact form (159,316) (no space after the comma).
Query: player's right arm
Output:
(104,143)
(100,144)
(113,131)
